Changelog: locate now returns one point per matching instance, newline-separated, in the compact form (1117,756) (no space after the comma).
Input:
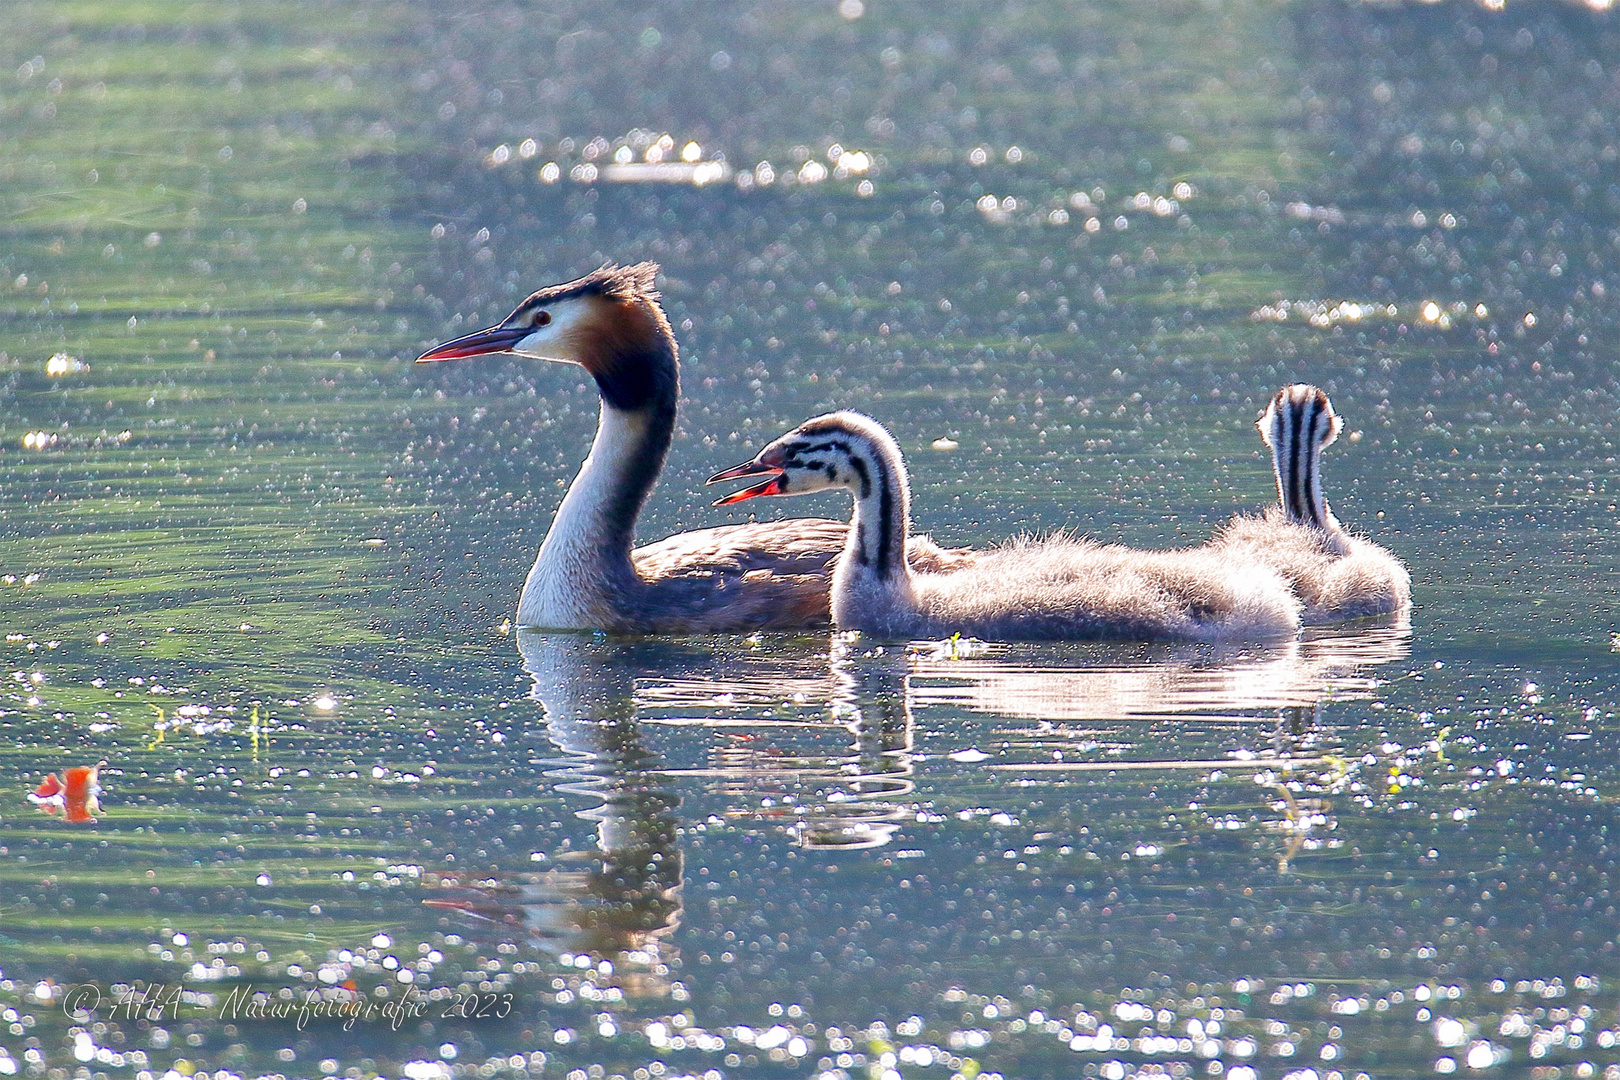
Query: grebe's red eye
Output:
(542,318)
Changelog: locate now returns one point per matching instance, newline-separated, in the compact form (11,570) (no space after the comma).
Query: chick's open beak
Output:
(771,486)
(494,339)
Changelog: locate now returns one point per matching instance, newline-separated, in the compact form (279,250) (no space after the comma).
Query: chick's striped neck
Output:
(877,535)
(1299,428)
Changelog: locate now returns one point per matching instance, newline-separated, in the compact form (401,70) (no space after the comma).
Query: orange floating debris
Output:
(74,792)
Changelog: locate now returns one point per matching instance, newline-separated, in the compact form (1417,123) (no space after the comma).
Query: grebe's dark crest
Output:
(609,322)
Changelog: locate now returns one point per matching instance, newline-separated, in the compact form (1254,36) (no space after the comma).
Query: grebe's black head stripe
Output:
(614,282)
(851,451)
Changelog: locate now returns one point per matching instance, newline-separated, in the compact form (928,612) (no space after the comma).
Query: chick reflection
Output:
(1152,708)
(815,741)
(1163,682)
(626,904)
(871,696)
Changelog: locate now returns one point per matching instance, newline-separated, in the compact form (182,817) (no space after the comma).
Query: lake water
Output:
(352,824)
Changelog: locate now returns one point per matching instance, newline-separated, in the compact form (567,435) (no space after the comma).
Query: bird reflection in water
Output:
(765,710)
(1099,708)
(1160,682)
(806,737)
(757,708)
(870,691)
(623,907)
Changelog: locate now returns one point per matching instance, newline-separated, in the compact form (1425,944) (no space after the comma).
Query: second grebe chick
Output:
(1055,589)
(1335,575)
(768,575)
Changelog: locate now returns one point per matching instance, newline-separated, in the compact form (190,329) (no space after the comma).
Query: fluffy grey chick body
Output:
(1335,574)
(1054,589)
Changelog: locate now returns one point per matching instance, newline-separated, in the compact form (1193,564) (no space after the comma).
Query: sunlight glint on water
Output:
(264,569)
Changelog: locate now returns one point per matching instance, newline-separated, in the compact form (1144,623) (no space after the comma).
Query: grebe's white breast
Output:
(573,577)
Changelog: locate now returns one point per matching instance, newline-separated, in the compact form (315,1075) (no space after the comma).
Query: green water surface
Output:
(352,824)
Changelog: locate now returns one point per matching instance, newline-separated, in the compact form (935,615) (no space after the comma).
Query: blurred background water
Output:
(262,567)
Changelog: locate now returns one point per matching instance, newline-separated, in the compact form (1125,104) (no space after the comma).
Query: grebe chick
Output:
(1052,589)
(737,578)
(1335,575)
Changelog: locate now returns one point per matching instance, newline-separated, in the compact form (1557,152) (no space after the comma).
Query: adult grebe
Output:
(1335,575)
(737,578)
(1027,589)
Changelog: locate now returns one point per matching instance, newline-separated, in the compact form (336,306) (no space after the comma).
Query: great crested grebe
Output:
(737,578)
(1027,589)
(1334,574)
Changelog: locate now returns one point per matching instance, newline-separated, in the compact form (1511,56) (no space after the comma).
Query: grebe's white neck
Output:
(609,322)
(584,563)
(583,578)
